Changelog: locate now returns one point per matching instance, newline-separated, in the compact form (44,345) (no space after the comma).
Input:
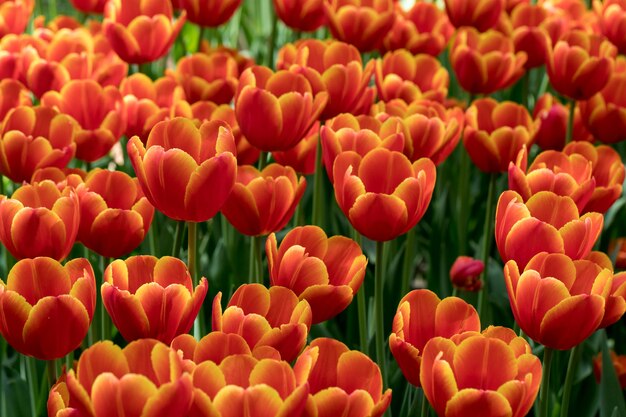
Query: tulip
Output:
(362,23)
(302,16)
(617,249)
(244,61)
(528,35)
(342,382)
(39,220)
(401,75)
(619,363)
(275,110)
(545,223)
(480,14)
(217,346)
(186,172)
(382,194)
(496,132)
(492,373)
(141,31)
(210,13)
(558,302)
(164,92)
(12,95)
(465,273)
(45,307)
(485,62)
(612,20)
(263,202)
(553,117)
(421,316)
(35,138)
(136,291)
(263,317)
(14,16)
(302,156)
(72,177)
(326,272)
(102,126)
(89,6)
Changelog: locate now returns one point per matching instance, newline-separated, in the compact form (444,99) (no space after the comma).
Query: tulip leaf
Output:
(611,397)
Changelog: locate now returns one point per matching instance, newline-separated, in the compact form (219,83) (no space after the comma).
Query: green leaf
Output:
(611,397)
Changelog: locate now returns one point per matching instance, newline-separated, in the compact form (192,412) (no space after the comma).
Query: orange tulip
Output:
(12,94)
(485,62)
(492,373)
(45,307)
(342,72)
(480,14)
(579,65)
(102,126)
(141,31)
(401,75)
(528,35)
(558,302)
(302,156)
(89,6)
(362,23)
(423,29)
(217,346)
(612,21)
(324,272)
(14,15)
(359,134)
(619,363)
(244,61)
(263,202)
(342,382)
(303,16)
(275,110)
(496,132)
(138,290)
(186,172)
(39,220)
(34,138)
(72,177)
(608,173)
(465,273)
(210,13)
(545,223)
(421,316)
(382,194)
(263,317)
(553,117)
(164,92)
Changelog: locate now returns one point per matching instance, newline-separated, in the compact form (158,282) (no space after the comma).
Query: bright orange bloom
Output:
(492,373)
(34,138)
(465,273)
(399,74)
(141,31)
(165,92)
(423,29)
(612,21)
(46,308)
(615,304)
(619,363)
(102,126)
(359,134)
(342,72)
(14,15)
(558,302)
(211,77)
(529,36)
(186,172)
(209,13)
(217,346)
(608,172)
(114,214)
(39,220)
(545,223)
(325,272)
(138,290)
(496,132)
(244,61)
(485,62)
(263,202)
(553,117)
(276,110)
(480,14)
(342,382)
(12,94)
(263,317)
(89,6)
(303,16)
(421,316)
(145,378)
(382,194)
(302,156)
(362,23)
(580,64)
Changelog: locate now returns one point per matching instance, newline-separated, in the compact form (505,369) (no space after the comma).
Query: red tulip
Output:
(553,117)
(302,156)
(89,6)
(465,273)
(480,14)
(45,307)
(211,13)
(529,36)
(303,16)
(12,94)
(619,364)
(612,21)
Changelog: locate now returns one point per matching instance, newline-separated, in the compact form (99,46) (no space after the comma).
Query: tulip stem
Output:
(192,237)
(379,280)
(257,258)
(32,387)
(178,238)
(318,188)
(103,315)
(407,267)
(572,367)
(271,46)
(483,295)
(262,161)
(570,121)
(200,37)
(52,372)
(545,383)
(361,301)
(425,408)
(463,201)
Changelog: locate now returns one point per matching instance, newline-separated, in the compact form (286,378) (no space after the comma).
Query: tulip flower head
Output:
(302,156)
(465,273)
(480,14)
(14,15)
(552,129)
(301,15)
(89,6)
(619,364)
(12,94)
(209,13)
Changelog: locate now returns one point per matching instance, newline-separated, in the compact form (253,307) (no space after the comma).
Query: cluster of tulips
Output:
(116,128)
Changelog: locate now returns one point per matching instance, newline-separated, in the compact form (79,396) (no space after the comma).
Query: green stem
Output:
(178,238)
(487,239)
(192,242)
(572,367)
(52,9)
(425,408)
(262,161)
(32,386)
(525,85)
(69,361)
(257,259)
(361,301)
(271,47)
(379,280)
(463,201)
(407,267)
(545,383)
(103,315)
(200,37)
(299,218)
(52,372)
(318,188)
(570,122)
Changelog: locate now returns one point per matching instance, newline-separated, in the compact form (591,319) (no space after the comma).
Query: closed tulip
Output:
(421,316)
(89,6)
(326,272)
(46,308)
(465,273)
(480,14)
(619,364)
(186,172)
(302,156)
(382,194)
(528,35)
(209,13)
(14,16)
(553,116)
(303,16)
(612,22)
(12,94)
